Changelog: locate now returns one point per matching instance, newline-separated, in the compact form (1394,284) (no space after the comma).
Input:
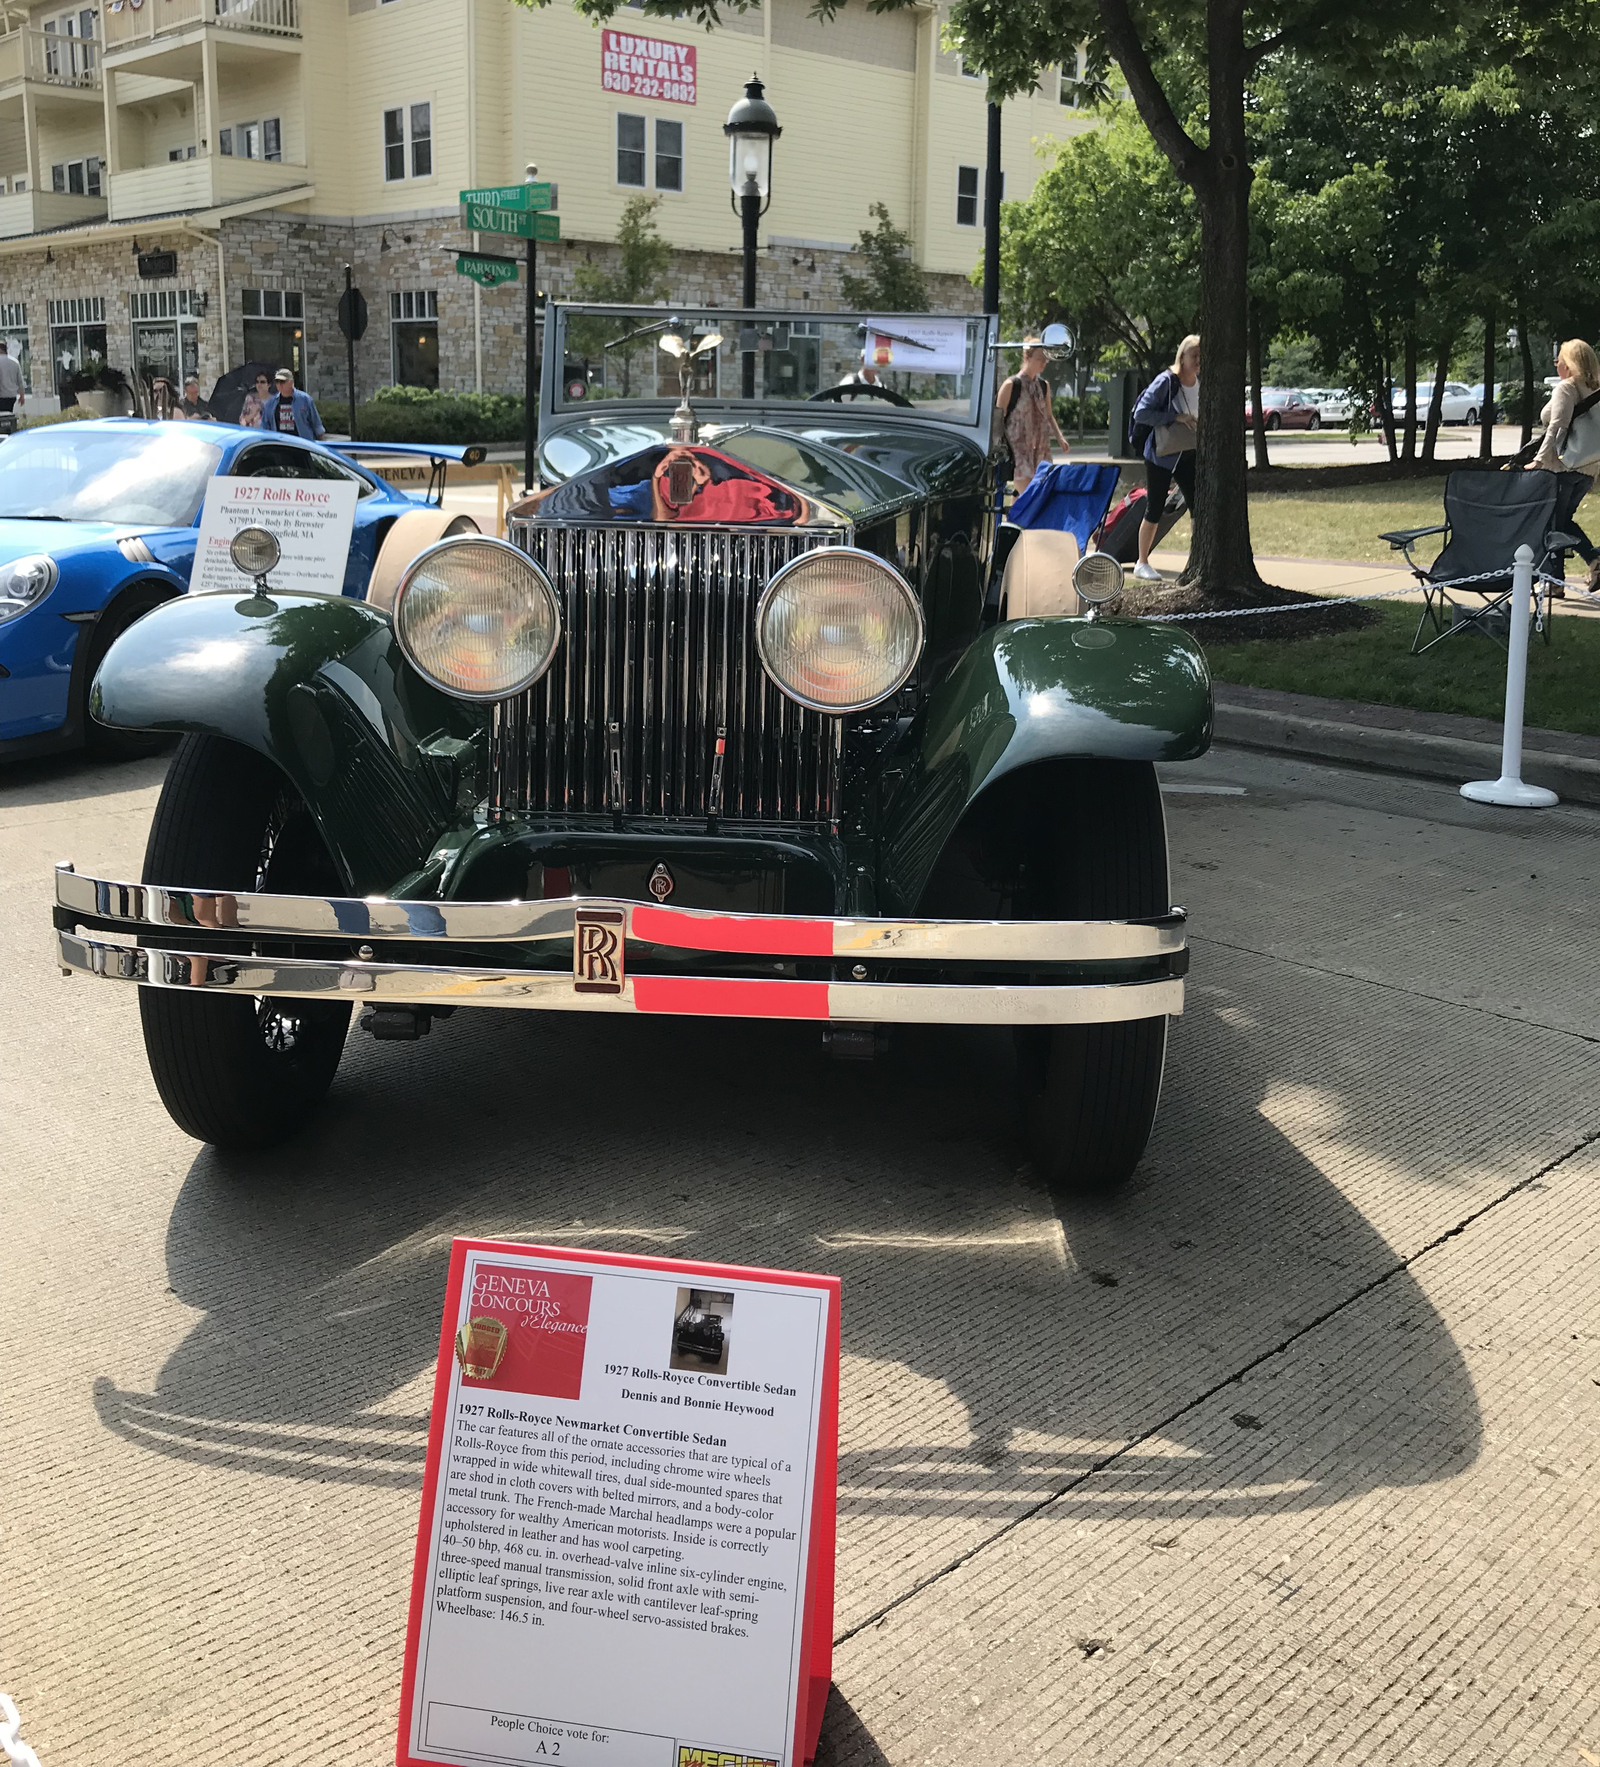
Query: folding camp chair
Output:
(1072,498)
(1487,516)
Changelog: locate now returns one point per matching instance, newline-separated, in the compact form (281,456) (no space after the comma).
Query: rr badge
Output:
(660,884)
(597,950)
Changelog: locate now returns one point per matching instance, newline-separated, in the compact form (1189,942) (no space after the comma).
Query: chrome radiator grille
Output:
(657,658)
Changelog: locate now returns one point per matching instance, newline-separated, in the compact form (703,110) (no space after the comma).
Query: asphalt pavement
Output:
(1287,1455)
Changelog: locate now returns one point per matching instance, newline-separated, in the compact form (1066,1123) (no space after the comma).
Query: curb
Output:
(1294,727)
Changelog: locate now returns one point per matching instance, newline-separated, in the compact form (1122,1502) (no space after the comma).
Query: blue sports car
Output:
(98,524)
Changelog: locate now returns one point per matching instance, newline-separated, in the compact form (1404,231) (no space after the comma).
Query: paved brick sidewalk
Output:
(1367,1228)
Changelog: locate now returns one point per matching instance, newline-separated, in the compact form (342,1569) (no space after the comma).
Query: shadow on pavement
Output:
(1004,1348)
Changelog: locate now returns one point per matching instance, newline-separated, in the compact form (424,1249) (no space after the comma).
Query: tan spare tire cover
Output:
(1038,575)
(413,531)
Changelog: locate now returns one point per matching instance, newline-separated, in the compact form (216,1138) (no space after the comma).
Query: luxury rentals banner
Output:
(625,1554)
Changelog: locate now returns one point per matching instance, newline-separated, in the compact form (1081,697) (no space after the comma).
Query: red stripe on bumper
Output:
(758,935)
(730,997)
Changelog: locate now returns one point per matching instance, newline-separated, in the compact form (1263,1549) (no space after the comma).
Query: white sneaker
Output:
(1146,573)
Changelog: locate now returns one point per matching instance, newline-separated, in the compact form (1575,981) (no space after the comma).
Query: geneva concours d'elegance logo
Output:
(525,1331)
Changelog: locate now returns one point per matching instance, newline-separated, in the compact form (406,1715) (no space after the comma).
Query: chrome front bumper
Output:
(605,936)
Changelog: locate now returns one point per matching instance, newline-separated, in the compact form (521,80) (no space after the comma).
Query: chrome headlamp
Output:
(25,581)
(838,629)
(477,617)
(1097,576)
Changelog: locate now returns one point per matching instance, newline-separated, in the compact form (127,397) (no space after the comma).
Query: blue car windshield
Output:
(154,477)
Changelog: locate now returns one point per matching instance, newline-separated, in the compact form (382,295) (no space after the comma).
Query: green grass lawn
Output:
(1345,522)
(1467,673)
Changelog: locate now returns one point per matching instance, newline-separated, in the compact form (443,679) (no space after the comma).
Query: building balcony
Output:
(152,25)
(197,184)
(69,64)
(32,211)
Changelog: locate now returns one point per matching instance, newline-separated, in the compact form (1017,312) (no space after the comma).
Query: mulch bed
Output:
(1171,601)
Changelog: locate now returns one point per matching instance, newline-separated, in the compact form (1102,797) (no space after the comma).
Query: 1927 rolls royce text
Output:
(746,719)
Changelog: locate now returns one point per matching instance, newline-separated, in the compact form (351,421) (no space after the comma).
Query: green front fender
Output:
(1031,691)
(319,686)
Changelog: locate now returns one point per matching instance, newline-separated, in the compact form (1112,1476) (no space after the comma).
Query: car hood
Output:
(814,472)
(61,540)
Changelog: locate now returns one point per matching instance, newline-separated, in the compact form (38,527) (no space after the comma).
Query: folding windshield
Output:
(152,475)
(914,364)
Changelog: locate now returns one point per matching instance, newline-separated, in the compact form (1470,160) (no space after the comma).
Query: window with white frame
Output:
(14,335)
(181,153)
(408,142)
(251,141)
(669,154)
(966,196)
(77,337)
(630,151)
(69,47)
(76,177)
(414,337)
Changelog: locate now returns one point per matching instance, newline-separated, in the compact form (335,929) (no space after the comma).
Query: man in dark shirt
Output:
(191,405)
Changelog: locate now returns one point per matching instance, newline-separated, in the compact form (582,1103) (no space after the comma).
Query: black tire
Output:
(1314,421)
(1471,418)
(1090,1092)
(238,1073)
(1271,422)
(101,739)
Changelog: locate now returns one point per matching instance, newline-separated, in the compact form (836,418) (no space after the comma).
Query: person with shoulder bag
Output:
(1169,409)
(1027,415)
(1571,440)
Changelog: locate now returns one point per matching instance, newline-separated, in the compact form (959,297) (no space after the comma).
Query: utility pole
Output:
(991,215)
(531,379)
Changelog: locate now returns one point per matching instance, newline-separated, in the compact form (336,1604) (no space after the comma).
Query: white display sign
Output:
(311,520)
(612,1565)
(917,346)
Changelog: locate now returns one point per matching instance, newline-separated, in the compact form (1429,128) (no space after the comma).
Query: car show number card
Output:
(310,519)
(625,1552)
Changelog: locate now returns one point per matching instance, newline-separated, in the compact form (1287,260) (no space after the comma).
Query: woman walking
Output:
(1578,369)
(1170,408)
(1028,415)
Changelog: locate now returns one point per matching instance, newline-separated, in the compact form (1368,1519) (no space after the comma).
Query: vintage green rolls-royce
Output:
(745,719)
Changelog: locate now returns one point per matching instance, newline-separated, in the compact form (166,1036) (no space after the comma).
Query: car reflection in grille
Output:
(657,660)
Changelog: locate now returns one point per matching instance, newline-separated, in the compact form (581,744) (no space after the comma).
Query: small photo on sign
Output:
(700,1330)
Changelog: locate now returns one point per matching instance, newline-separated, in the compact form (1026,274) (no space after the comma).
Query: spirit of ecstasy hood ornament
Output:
(685,426)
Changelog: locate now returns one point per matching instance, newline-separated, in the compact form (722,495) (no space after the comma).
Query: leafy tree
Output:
(640,277)
(1108,242)
(893,282)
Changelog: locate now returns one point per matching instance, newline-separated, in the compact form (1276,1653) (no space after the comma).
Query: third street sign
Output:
(485,269)
(527,198)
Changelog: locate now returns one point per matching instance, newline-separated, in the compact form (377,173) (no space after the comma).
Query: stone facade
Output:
(305,254)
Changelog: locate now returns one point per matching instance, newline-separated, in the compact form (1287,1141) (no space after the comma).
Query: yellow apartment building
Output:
(183,181)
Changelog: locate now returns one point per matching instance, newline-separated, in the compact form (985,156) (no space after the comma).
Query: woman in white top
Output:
(1578,369)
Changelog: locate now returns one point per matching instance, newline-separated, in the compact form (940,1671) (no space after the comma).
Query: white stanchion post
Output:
(1510,787)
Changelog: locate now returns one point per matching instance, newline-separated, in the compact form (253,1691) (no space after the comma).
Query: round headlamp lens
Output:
(1097,576)
(254,551)
(23,582)
(477,617)
(839,630)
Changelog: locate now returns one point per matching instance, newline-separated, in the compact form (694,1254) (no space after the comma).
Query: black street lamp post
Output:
(751,129)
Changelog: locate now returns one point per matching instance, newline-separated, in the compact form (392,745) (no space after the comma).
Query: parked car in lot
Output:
(744,721)
(1457,406)
(1283,409)
(1476,411)
(98,525)
(1333,403)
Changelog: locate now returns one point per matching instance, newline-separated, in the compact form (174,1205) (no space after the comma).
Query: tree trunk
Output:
(1258,418)
(1436,404)
(1525,344)
(1408,445)
(1486,411)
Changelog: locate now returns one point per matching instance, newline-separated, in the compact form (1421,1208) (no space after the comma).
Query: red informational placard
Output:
(647,67)
(626,1545)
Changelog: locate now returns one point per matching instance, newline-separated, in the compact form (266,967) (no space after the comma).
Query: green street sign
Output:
(526,198)
(547,228)
(485,270)
(483,218)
